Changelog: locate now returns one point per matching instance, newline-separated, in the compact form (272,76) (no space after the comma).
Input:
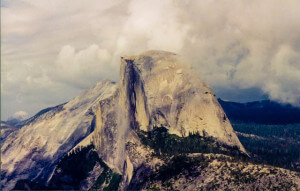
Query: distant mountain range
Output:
(262,112)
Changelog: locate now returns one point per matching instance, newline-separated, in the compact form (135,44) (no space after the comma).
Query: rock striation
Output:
(156,89)
(161,90)
(33,151)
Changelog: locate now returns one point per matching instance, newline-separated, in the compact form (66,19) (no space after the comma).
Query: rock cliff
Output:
(156,89)
(161,90)
(33,151)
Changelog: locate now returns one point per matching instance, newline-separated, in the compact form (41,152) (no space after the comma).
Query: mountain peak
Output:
(156,89)
(150,53)
(170,93)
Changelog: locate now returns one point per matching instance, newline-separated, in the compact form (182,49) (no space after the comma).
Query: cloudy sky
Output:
(51,50)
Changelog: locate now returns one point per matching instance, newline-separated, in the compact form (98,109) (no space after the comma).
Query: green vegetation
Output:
(165,144)
(291,131)
(75,167)
(108,180)
(78,164)
(212,172)
(277,145)
(24,184)
(181,164)
(174,150)
(114,182)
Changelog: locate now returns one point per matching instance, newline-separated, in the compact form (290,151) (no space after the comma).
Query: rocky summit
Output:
(161,127)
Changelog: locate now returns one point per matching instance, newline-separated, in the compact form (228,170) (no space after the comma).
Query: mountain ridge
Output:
(106,136)
(263,112)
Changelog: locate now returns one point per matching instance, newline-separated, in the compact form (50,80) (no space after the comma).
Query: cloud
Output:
(61,47)
(84,67)
(20,115)
(246,44)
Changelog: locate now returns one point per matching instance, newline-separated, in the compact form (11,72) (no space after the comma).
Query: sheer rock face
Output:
(156,88)
(163,91)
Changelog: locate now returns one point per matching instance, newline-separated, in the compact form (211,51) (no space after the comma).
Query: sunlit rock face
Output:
(32,152)
(156,88)
(161,90)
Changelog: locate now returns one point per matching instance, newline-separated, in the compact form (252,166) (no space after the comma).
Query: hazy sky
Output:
(53,49)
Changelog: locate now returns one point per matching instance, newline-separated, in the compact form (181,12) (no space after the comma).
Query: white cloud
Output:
(84,67)
(20,115)
(60,47)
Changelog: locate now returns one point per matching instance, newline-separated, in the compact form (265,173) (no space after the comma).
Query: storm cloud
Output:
(52,50)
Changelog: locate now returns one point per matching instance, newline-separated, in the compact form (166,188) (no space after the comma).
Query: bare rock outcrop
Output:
(161,90)
(156,89)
